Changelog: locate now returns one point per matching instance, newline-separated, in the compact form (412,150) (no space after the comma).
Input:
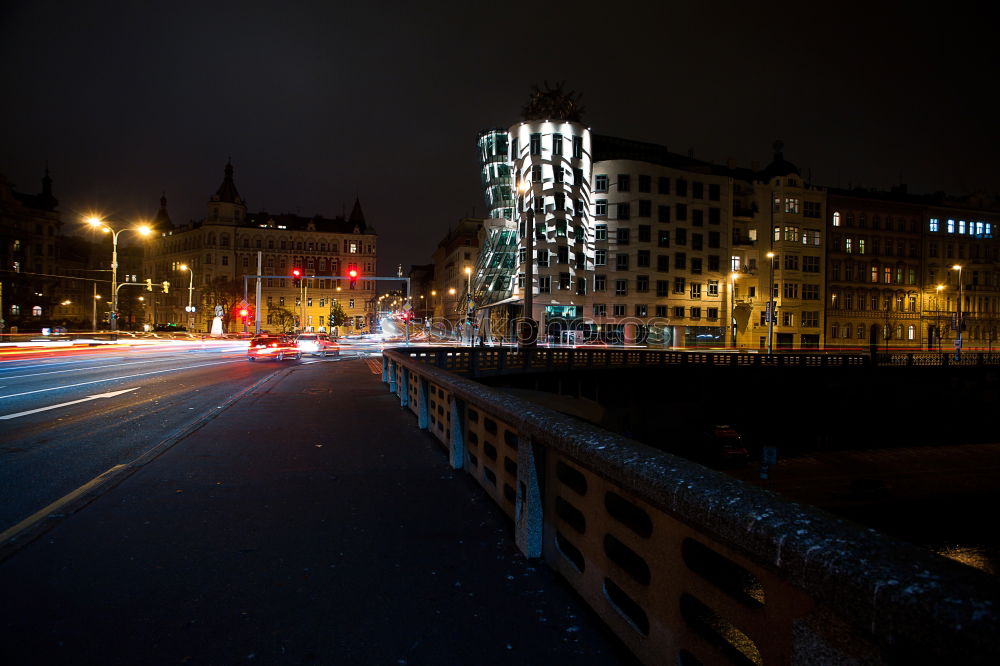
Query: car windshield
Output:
(307,337)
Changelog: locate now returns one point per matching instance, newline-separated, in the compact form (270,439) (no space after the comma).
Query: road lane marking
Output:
(12,532)
(67,404)
(114,379)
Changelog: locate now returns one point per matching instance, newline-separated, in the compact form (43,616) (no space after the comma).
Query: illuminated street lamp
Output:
(468,302)
(770,305)
(732,306)
(98,223)
(958,339)
(185,267)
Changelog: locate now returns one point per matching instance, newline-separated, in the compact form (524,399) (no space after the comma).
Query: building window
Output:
(663,238)
(600,310)
(836,219)
(621,287)
(600,257)
(600,282)
(577,146)
(536,144)
(621,261)
(557,148)
(663,185)
(624,211)
(641,310)
(642,259)
(662,288)
(695,313)
(696,290)
(601,232)
(623,234)
(663,213)
(544,284)
(618,309)
(810,319)
(601,183)
(624,182)
(642,283)
(811,265)
(713,287)
(812,209)
(679,311)
(679,285)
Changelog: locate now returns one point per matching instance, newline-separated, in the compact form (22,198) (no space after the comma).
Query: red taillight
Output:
(273,344)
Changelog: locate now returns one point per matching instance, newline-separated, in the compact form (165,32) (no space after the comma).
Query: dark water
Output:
(960,528)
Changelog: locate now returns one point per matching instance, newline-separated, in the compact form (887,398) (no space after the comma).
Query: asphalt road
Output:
(55,435)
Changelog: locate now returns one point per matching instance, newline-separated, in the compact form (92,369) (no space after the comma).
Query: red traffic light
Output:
(244,312)
(353,273)
(297,272)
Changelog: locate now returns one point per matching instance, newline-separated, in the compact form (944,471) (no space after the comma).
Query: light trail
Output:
(114,379)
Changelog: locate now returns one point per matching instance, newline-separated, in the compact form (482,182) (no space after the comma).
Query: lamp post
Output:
(469,304)
(97,297)
(958,338)
(937,311)
(98,223)
(190,308)
(529,270)
(770,304)
(732,307)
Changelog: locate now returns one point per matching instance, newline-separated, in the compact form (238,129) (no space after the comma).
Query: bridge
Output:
(687,565)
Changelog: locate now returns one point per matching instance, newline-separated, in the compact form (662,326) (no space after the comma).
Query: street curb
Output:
(31,528)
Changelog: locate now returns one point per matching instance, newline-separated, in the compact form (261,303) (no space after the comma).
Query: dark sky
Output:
(317,102)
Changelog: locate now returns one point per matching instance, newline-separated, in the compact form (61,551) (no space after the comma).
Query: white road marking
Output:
(110,394)
(114,379)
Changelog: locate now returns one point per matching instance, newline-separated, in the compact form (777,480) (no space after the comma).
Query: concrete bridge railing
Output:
(482,361)
(687,565)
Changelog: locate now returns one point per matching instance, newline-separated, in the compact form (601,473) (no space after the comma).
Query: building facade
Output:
(207,264)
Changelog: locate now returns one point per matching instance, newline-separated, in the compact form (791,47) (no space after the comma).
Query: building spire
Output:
(227,192)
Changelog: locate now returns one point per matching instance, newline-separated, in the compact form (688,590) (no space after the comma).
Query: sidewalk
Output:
(309,523)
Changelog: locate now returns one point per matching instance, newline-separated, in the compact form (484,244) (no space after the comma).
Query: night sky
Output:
(319,102)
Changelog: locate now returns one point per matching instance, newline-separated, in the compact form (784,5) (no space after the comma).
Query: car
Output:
(270,345)
(317,344)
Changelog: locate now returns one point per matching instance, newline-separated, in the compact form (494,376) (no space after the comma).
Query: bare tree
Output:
(283,318)
(225,293)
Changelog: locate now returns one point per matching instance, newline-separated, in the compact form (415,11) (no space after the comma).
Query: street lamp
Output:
(98,223)
(529,268)
(732,306)
(937,311)
(770,305)
(468,303)
(958,339)
(185,267)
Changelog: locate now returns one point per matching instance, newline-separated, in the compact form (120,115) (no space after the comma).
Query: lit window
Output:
(933,224)
(961,226)
(951,226)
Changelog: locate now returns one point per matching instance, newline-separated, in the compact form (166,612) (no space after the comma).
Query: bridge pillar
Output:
(385,369)
(392,376)
(456,452)
(404,388)
(528,507)
(423,404)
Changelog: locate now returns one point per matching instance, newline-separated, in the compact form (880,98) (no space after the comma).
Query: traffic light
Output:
(296,276)
(166,287)
(352,273)
(149,284)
